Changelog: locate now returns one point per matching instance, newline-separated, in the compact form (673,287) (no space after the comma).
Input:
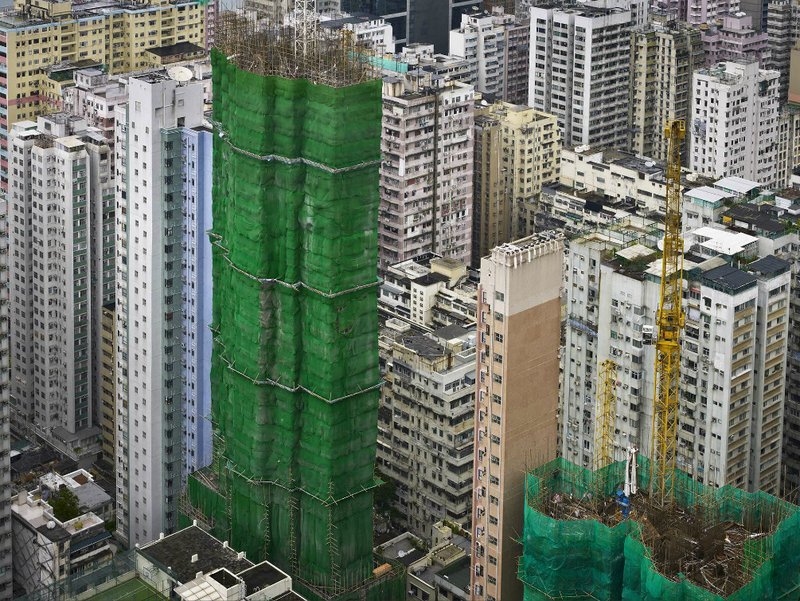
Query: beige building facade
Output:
(517,150)
(663,60)
(516,399)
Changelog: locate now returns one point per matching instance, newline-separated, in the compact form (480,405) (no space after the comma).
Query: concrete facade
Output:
(517,151)
(579,70)
(425,427)
(700,12)
(80,33)
(495,44)
(64,272)
(734,124)
(158,239)
(732,360)
(783,31)
(427,168)
(735,39)
(663,61)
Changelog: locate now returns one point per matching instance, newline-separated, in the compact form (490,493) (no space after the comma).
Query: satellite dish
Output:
(180,74)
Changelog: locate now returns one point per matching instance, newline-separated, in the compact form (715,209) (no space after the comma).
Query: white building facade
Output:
(734,124)
(161,323)
(62,265)
(579,69)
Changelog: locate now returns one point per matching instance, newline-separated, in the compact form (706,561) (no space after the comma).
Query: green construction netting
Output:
(295,370)
(586,559)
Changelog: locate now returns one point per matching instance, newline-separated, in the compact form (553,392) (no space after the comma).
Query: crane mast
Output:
(606,413)
(669,321)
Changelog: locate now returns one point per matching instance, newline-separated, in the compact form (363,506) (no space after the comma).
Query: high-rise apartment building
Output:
(427,168)
(114,34)
(699,12)
(758,11)
(734,38)
(108,396)
(430,292)
(516,399)
(663,60)
(496,45)
(425,423)
(93,97)
(733,358)
(791,430)
(517,150)
(64,274)
(734,122)
(771,218)
(579,69)
(783,31)
(416,20)
(788,151)
(162,296)
(6,587)
(773,277)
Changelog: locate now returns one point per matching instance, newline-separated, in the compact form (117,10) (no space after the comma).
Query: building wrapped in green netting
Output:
(295,376)
(708,545)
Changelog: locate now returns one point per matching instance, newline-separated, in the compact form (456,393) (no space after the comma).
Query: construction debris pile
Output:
(706,544)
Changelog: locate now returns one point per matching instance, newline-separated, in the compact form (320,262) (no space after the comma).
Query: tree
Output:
(65,504)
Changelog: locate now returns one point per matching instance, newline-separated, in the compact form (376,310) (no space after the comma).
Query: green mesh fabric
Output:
(295,371)
(585,559)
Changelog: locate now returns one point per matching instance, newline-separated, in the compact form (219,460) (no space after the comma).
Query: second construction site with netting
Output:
(703,544)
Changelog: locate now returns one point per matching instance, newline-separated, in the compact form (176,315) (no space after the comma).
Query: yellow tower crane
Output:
(606,411)
(669,322)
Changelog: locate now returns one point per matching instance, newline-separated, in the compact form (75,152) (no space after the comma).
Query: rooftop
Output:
(178,49)
(738,185)
(762,219)
(261,575)
(707,194)
(404,548)
(457,573)
(769,266)
(423,346)
(729,279)
(175,552)
(721,241)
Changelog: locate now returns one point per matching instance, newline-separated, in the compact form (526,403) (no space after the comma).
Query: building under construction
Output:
(702,544)
(295,377)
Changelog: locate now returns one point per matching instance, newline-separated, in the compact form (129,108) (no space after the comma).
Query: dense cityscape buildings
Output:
(355,299)
(516,153)
(65,274)
(663,62)
(76,35)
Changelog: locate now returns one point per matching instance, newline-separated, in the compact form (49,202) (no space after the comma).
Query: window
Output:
(499,296)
